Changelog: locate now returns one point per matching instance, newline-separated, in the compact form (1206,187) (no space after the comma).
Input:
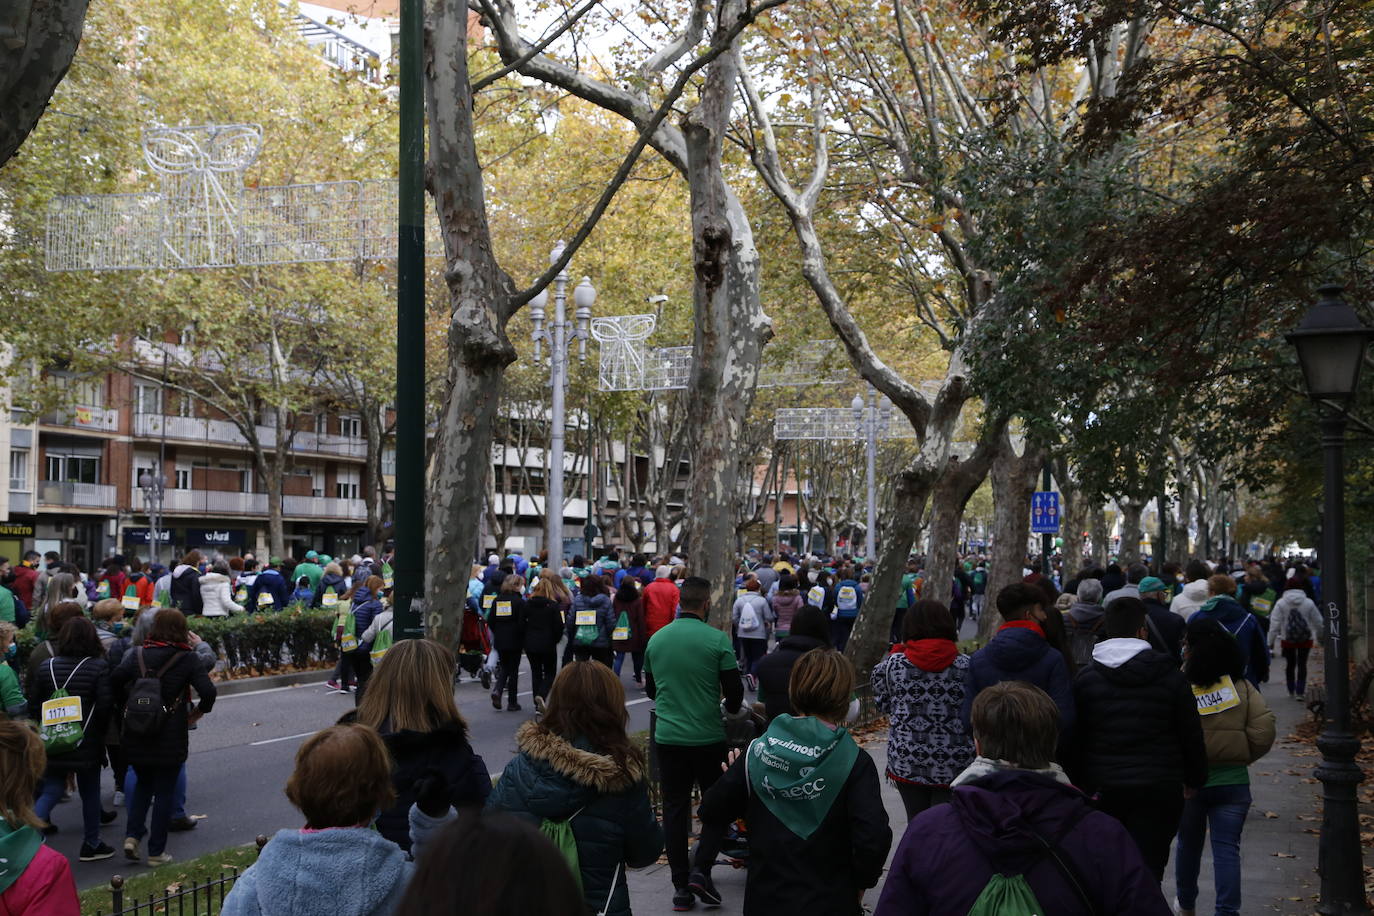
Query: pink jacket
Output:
(45,887)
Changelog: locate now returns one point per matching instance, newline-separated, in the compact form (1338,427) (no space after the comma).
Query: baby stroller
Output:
(740,731)
(474,645)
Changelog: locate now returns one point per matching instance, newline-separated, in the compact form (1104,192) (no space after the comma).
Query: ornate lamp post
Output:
(556,336)
(873,423)
(1331,343)
(153,487)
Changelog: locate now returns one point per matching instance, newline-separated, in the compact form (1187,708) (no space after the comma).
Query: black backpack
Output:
(145,715)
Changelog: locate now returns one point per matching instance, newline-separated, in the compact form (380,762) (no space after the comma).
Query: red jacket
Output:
(46,887)
(24,579)
(660,605)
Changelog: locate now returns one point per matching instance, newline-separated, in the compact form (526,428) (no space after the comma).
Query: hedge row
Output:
(252,643)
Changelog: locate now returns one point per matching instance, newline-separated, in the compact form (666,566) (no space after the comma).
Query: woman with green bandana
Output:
(33,878)
(818,831)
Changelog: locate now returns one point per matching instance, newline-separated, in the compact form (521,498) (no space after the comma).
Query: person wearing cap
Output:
(1166,628)
(311,569)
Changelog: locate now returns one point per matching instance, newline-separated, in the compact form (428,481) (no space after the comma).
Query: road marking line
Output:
(285,738)
(638,701)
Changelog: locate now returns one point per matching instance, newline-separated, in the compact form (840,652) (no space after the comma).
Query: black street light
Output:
(1331,343)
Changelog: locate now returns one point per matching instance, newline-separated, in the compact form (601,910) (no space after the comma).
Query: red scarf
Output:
(934,655)
(1025,625)
(157,643)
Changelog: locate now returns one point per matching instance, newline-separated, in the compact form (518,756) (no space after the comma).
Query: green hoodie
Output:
(17,849)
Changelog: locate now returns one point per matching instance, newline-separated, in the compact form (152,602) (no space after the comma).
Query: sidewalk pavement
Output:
(1278,847)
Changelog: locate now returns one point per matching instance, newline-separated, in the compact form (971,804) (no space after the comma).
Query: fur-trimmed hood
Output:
(582,766)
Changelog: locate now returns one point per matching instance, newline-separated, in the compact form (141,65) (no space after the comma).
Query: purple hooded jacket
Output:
(949,851)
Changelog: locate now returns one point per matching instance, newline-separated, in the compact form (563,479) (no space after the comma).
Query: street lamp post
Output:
(154,487)
(556,336)
(873,422)
(1331,343)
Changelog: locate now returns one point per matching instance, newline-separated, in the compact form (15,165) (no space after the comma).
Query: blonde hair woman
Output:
(409,701)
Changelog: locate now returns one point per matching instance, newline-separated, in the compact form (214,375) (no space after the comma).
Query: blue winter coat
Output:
(365,606)
(605,618)
(949,852)
(1020,654)
(612,822)
(348,871)
(274,583)
(1243,625)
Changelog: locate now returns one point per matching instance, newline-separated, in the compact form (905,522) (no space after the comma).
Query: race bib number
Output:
(503,609)
(59,711)
(265,599)
(488,601)
(348,642)
(130,602)
(620,633)
(1215,698)
(330,600)
(585,619)
(388,582)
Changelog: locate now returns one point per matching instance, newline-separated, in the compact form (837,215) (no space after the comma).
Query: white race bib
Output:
(330,600)
(130,602)
(488,601)
(503,609)
(585,619)
(620,633)
(265,599)
(66,709)
(1218,697)
(816,597)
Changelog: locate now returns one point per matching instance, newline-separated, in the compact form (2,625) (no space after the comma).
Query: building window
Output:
(185,406)
(86,390)
(183,477)
(73,468)
(321,424)
(19,470)
(147,399)
(346,487)
(351,427)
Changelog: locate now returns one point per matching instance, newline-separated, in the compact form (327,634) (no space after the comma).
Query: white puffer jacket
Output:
(215,594)
(1187,602)
(1294,601)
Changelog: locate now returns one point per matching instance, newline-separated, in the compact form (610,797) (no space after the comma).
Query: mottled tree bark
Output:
(38,39)
(1014,479)
(952,493)
(1131,532)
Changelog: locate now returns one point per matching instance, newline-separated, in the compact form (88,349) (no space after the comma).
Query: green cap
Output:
(325,559)
(311,555)
(274,561)
(1152,584)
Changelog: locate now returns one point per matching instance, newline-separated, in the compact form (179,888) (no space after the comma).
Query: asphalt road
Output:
(243,752)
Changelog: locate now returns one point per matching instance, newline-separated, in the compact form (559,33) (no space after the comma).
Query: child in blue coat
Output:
(337,865)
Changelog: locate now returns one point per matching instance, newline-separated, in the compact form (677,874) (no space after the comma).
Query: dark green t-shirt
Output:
(686,658)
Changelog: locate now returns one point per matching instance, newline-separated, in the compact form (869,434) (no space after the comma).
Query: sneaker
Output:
(118,798)
(683,900)
(109,817)
(131,849)
(1180,911)
(539,705)
(701,885)
(513,707)
(332,685)
(163,859)
(485,678)
(96,853)
(181,824)
(1299,697)
(753,683)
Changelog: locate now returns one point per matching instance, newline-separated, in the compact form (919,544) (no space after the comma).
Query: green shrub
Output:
(251,643)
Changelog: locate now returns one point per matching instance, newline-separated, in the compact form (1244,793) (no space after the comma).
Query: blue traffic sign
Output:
(1045,512)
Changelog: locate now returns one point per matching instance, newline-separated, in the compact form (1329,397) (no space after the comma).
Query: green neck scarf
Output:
(798,768)
(17,849)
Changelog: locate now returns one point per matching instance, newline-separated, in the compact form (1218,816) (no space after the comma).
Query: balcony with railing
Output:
(323,507)
(223,432)
(227,502)
(82,495)
(81,416)
(21,499)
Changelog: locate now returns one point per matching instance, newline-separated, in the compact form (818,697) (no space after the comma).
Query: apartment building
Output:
(74,477)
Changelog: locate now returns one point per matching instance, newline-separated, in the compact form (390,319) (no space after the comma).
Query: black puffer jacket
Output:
(1168,627)
(613,825)
(169,747)
(1138,721)
(90,680)
(543,625)
(186,590)
(507,622)
(414,755)
(774,671)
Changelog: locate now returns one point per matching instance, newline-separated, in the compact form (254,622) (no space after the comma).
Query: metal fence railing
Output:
(199,898)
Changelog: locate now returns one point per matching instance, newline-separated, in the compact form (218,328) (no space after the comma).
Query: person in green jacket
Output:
(12,700)
(577,767)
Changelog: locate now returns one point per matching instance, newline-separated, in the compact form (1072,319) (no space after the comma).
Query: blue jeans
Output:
(88,784)
(155,786)
(1223,808)
(178,793)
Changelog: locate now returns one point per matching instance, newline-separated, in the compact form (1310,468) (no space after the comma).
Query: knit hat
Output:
(663,572)
(1064,601)
(1152,584)
(312,556)
(493,559)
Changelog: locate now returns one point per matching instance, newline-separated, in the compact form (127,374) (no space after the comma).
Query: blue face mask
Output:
(118,627)
(12,651)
